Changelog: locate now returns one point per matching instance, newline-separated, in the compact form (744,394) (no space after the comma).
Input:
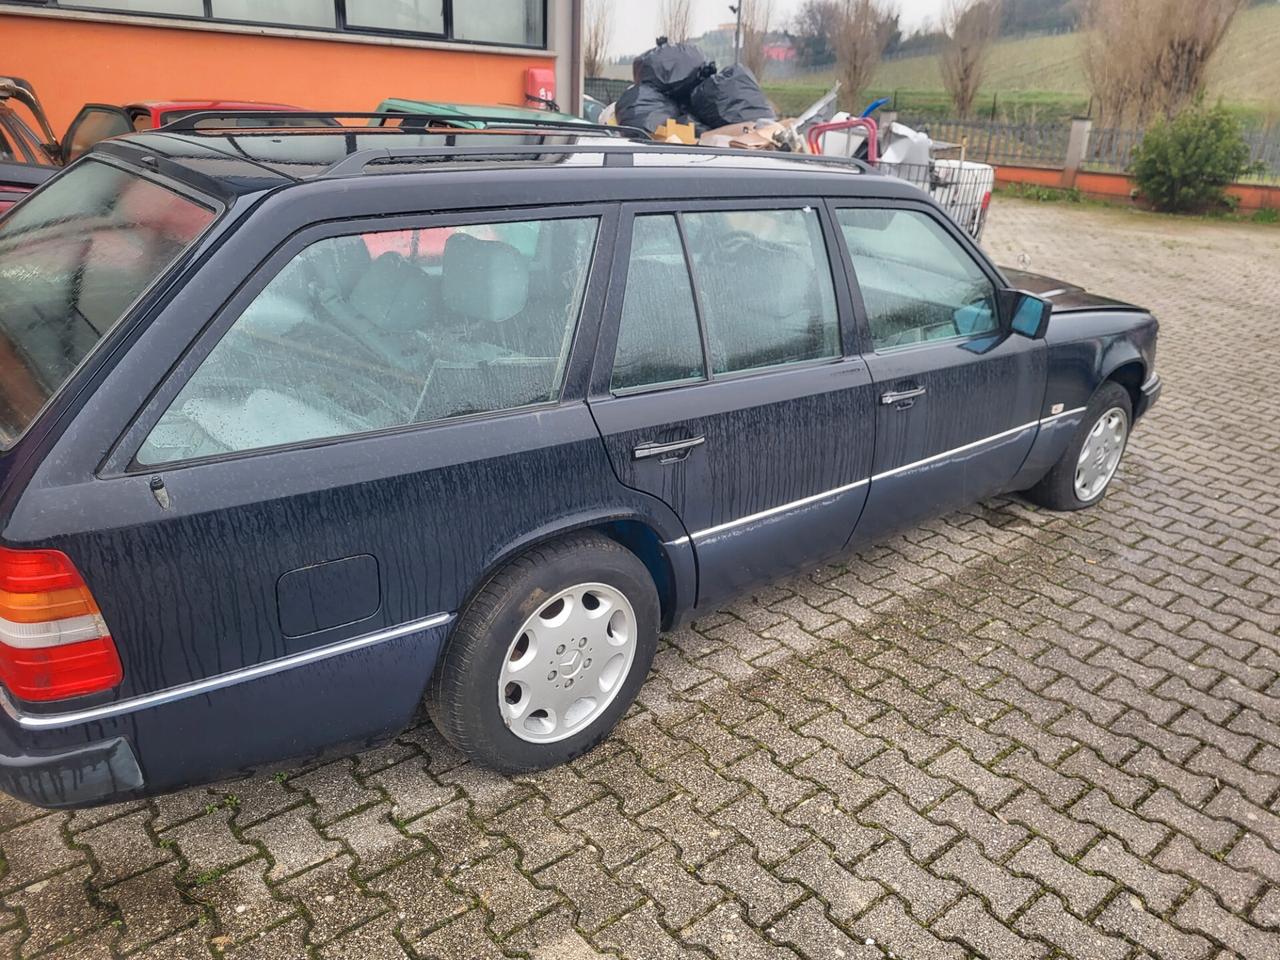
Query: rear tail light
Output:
(986,201)
(54,643)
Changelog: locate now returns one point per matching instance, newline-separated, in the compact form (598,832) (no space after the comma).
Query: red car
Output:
(28,158)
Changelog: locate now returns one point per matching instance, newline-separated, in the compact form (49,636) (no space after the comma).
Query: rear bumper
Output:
(1150,395)
(357,691)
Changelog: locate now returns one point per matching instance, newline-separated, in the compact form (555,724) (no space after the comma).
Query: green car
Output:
(462,111)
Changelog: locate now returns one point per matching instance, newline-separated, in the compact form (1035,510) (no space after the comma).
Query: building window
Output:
(514,23)
(402,16)
(298,13)
(183,8)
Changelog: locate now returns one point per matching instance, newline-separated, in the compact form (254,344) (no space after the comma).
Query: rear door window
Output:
(658,339)
(764,283)
(385,329)
(73,259)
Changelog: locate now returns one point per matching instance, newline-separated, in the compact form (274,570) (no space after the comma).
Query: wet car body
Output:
(277,601)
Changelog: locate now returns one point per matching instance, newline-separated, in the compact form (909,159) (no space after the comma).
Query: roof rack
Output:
(191,122)
(621,153)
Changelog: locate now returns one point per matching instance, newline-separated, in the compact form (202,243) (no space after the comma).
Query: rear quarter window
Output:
(73,258)
(386,329)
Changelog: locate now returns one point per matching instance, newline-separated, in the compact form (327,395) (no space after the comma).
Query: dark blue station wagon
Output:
(302,427)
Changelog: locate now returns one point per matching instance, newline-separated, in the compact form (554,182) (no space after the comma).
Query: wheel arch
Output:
(1130,374)
(670,564)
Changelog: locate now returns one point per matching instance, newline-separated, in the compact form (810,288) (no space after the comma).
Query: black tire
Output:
(462,695)
(1057,490)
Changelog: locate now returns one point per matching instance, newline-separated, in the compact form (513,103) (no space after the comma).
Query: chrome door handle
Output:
(668,452)
(889,399)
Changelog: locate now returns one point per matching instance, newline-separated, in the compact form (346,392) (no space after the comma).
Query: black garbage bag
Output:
(646,107)
(672,68)
(731,96)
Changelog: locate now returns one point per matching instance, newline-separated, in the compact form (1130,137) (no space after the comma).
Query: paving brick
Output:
(773,839)
(996,835)
(1069,836)
(507,893)
(727,936)
(1127,917)
(813,934)
(1081,891)
(1159,890)
(888,925)
(293,842)
(419,896)
(927,894)
(1202,913)
(1235,888)
(987,788)
(1096,807)
(640,935)
(1048,920)
(677,891)
(1164,806)
(817,869)
(969,922)
(581,878)
(1003,892)
(1058,790)
(764,896)
(823,819)
(334,901)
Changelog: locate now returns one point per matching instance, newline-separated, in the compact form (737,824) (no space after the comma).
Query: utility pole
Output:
(737,33)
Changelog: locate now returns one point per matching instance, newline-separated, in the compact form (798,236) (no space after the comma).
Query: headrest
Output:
(484,280)
(393,294)
(766,279)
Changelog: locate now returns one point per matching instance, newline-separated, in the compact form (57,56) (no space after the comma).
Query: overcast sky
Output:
(636,21)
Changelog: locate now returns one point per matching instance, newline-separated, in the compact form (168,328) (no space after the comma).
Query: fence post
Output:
(1077,150)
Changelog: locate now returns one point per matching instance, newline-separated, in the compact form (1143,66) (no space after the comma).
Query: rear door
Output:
(958,398)
(721,385)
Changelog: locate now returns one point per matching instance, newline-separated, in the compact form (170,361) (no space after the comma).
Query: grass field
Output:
(1042,78)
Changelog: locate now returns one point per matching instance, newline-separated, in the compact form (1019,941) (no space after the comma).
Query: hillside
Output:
(1047,72)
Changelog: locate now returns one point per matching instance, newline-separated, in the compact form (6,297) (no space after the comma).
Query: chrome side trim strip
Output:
(956,450)
(44,721)
(879,476)
(793,505)
(1064,413)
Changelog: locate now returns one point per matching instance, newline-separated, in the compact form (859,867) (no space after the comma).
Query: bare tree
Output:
(596,34)
(676,19)
(757,17)
(862,32)
(1148,58)
(971,26)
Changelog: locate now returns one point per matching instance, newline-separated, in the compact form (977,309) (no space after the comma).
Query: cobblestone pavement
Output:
(1009,734)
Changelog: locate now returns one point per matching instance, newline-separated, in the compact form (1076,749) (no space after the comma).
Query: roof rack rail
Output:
(624,150)
(191,122)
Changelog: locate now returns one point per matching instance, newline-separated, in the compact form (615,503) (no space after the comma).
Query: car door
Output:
(958,393)
(721,386)
(94,122)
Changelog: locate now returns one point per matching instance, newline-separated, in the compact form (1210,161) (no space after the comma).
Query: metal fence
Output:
(603,89)
(1112,149)
(1017,144)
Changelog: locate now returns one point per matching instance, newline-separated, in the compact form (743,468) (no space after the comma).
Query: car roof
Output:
(164,105)
(228,163)
(464,110)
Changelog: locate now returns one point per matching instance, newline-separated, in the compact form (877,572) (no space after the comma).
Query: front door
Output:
(721,386)
(958,397)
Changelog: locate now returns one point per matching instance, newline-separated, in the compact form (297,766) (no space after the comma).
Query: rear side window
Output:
(761,289)
(658,339)
(764,283)
(73,259)
(387,329)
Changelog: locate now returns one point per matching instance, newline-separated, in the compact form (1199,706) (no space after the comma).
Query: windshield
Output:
(73,259)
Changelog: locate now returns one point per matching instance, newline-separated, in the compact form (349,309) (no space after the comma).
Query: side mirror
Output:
(1025,314)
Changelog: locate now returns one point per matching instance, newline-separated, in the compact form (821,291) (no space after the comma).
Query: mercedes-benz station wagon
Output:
(303,427)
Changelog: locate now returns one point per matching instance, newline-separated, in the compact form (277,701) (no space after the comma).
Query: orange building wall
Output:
(73,62)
